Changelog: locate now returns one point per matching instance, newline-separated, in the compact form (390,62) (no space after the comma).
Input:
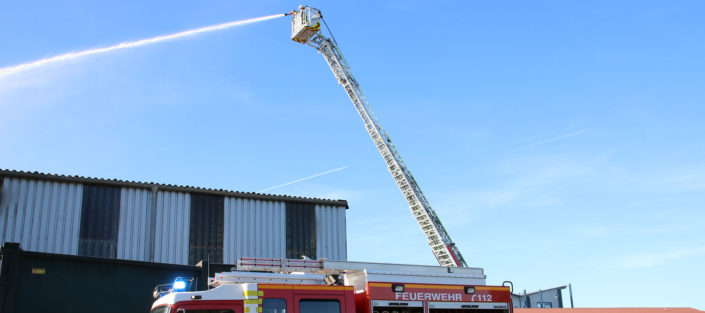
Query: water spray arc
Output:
(6,71)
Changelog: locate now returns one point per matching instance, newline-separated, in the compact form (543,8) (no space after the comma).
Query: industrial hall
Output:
(161,223)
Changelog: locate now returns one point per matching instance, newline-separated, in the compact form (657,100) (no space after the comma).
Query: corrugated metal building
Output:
(164,223)
(548,298)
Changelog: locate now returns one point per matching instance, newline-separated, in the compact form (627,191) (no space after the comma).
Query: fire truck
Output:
(259,285)
(321,286)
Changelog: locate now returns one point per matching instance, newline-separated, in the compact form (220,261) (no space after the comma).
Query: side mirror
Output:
(161,290)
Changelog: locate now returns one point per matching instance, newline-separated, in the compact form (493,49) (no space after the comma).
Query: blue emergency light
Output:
(179,284)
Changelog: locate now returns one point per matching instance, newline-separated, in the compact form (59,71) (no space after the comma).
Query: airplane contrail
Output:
(578,133)
(130,44)
(305,178)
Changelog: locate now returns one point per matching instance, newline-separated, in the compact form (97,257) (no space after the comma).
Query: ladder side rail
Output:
(433,229)
(442,246)
(410,178)
(386,148)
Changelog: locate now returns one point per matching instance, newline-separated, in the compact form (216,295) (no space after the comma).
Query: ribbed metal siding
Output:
(100,217)
(45,216)
(172,227)
(331,232)
(206,229)
(254,228)
(300,230)
(135,224)
(42,216)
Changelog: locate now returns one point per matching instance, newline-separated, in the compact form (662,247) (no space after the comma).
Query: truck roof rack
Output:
(323,266)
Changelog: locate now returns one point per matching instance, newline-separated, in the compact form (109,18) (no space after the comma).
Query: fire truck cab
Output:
(317,286)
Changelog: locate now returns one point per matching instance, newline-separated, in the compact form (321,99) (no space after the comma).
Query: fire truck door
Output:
(319,303)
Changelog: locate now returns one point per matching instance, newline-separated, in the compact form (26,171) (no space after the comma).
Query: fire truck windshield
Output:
(160,309)
(319,306)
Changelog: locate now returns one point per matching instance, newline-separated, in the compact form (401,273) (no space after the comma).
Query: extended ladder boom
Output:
(305,29)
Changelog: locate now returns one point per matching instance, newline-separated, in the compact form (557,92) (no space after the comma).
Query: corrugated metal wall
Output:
(134,236)
(42,216)
(331,235)
(135,224)
(254,228)
(172,228)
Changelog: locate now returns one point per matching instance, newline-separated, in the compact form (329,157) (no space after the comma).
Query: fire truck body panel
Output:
(360,278)
(432,298)
(319,286)
(269,298)
(378,298)
(439,293)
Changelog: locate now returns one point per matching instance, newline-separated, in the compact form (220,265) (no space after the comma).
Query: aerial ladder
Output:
(306,29)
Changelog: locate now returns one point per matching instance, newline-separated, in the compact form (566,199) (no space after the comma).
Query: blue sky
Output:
(559,141)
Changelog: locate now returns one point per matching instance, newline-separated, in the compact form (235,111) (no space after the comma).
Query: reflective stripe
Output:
(324,287)
(252,303)
(492,288)
(445,287)
(274,286)
(495,288)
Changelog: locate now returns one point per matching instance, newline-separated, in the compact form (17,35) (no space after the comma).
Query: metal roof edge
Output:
(168,187)
(94,259)
(541,290)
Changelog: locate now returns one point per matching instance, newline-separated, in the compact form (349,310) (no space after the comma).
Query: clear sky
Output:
(559,141)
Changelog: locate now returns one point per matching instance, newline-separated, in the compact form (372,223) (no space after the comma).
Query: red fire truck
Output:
(321,286)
